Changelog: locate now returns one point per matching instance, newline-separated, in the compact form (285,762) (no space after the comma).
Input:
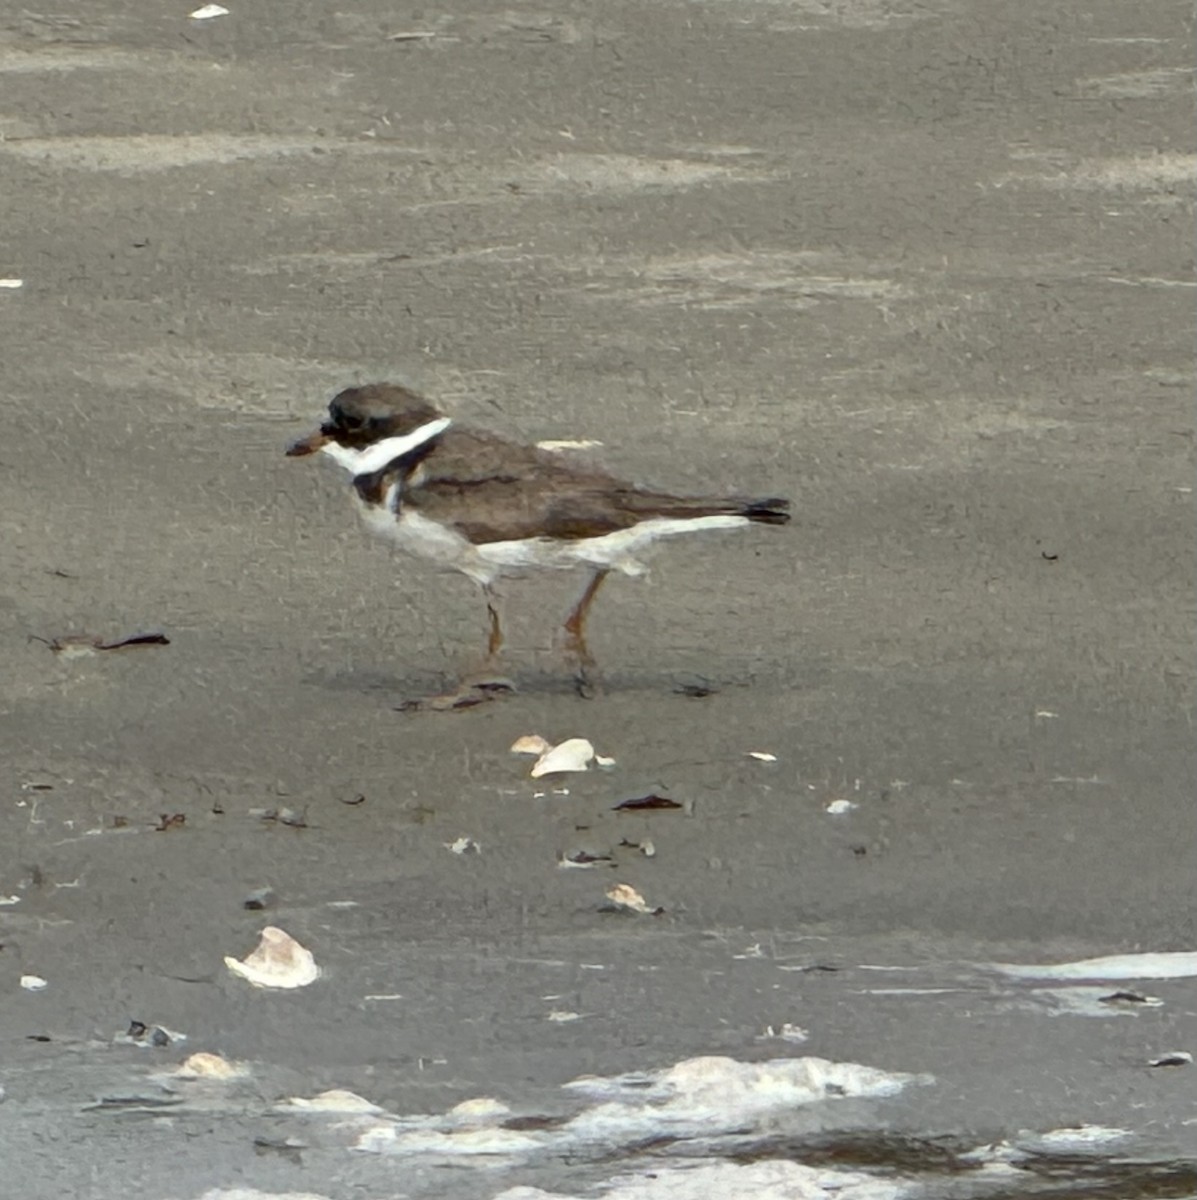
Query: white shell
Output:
(205,1065)
(1174,1058)
(12,283)
(839,807)
(559,444)
(208,12)
(33,983)
(575,754)
(786,1032)
(279,961)
(531,743)
(626,896)
(762,755)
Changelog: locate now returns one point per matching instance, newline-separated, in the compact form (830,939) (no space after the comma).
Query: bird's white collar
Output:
(381,454)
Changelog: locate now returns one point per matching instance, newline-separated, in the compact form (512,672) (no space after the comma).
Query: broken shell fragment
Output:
(141,1034)
(259,899)
(1129,999)
(786,1032)
(279,961)
(79,645)
(531,743)
(205,1065)
(645,846)
(1174,1058)
(646,804)
(574,754)
(623,895)
(33,983)
(762,755)
(582,859)
(556,445)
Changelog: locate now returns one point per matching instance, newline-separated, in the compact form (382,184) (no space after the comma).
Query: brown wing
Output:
(492,490)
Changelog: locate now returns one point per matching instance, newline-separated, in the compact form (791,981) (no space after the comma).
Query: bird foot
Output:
(586,683)
(469,693)
(586,680)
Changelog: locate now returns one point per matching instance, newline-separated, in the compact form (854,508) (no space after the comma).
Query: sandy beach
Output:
(926,270)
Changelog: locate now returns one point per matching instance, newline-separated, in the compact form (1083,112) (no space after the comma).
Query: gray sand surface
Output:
(924,268)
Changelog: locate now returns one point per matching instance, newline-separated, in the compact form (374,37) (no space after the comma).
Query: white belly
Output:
(417,535)
(619,551)
(444,547)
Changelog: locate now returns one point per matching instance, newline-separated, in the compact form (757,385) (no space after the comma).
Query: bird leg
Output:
(494,643)
(575,635)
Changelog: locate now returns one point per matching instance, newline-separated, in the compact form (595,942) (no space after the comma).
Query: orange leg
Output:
(486,682)
(494,643)
(575,633)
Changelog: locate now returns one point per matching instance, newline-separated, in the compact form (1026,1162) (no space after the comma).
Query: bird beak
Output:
(308,445)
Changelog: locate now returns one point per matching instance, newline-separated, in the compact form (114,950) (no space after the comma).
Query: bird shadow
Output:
(411,685)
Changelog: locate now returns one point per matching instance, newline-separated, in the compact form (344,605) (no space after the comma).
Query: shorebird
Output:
(474,502)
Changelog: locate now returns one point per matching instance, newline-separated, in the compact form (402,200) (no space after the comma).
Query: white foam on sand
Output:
(775,1180)
(1177,965)
(239,1193)
(709,1097)
(1073,1140)
(336,1101)
(471,1129)
(713,1095)
(1076,1139)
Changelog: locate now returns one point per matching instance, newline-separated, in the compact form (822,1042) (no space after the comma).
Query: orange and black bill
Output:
(308,445)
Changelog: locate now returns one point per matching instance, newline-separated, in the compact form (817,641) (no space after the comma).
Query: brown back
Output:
(510,491)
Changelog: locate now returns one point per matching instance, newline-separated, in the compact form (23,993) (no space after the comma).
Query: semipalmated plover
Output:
(469,500)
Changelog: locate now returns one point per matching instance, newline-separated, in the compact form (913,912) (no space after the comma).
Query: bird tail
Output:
(774,511)
(640,504)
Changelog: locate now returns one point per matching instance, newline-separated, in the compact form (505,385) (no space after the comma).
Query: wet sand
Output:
(926,271)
